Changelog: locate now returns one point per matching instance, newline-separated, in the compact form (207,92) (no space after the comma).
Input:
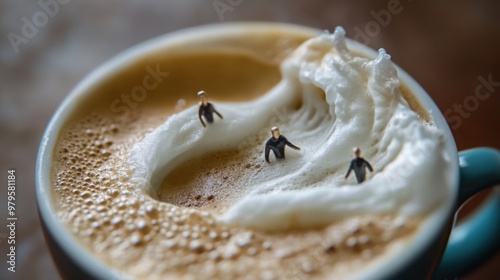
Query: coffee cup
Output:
(470,172)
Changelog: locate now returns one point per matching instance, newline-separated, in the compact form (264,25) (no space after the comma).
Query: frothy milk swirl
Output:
(346,100)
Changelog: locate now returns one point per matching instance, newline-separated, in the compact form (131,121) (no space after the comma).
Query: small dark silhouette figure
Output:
(359,165)
(277,143)
(207,109)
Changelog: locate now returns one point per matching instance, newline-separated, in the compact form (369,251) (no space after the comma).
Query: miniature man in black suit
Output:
(359,165)
(277,143)
(207,109)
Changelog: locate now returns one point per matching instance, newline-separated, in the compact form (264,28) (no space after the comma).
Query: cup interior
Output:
(194,38)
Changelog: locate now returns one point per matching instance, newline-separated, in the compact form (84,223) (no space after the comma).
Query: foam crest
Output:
(346,100)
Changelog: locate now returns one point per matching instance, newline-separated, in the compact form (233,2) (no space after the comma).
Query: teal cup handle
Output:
(478,237)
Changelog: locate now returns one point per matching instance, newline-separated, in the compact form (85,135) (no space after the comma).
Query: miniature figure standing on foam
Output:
(207,109)
(359,165)
(277,143)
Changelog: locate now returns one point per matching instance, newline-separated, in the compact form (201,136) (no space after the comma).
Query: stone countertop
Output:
(447,46)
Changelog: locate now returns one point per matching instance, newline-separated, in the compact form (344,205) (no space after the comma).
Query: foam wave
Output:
(347,100)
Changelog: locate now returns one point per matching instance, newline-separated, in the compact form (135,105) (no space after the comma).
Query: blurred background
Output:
(452,48)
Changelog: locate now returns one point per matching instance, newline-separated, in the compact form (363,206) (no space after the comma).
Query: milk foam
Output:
(347,100)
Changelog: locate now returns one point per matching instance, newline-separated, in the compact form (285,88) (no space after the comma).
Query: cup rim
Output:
(428,231)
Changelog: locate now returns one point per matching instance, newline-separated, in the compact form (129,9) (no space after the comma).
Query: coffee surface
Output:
(173,231)
(329,100)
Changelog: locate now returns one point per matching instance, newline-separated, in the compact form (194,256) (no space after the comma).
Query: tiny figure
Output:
(359,165)
(277,143)
(207,109)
